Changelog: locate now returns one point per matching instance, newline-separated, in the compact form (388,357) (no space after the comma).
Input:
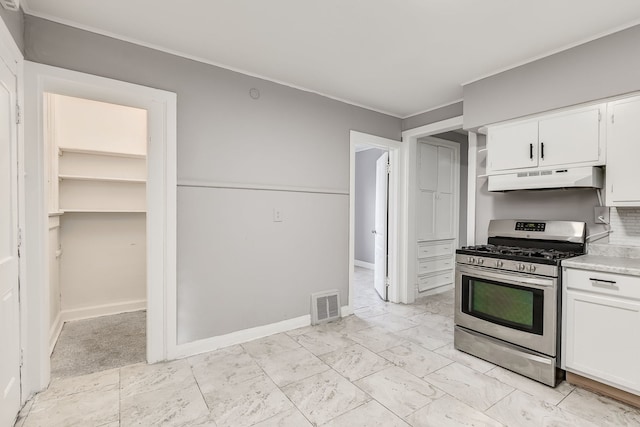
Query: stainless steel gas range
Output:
(508,295)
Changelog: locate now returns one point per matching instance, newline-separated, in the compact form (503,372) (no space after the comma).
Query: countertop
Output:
(608,264)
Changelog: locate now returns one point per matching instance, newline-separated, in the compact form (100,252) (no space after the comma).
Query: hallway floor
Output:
(93,345)
(388,365)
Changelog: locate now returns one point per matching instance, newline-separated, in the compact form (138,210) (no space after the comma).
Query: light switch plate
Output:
(601,214)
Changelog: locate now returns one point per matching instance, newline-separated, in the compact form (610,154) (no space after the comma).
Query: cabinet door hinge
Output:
(18,114)
(599,115)
(612,119)
(388,168)
(21,357)
(612,188)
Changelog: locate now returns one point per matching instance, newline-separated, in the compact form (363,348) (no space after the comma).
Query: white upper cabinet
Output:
(569,138)
(512,146)
(623,152)
(436,198)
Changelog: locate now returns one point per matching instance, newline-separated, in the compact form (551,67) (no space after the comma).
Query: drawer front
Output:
(426,250)
(598,282)
(433,265)
(434,280)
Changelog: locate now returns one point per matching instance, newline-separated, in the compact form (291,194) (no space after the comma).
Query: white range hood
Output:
(580,177)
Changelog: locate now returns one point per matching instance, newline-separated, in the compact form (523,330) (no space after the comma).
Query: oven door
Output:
(515,307)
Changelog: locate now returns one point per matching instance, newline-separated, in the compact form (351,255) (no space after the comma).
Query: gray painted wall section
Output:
(443,113)
(602,68)
(237,268)
(365,204)
(15,23)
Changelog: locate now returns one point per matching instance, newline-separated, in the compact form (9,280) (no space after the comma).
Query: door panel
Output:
(426,215)
(445,169)
(570,138)
(382,203)
(427,167)
(444,216)
(9,308)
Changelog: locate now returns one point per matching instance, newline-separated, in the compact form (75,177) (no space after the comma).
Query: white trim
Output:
(409,151)
(345,311)
(437,107)
(102,310)
(161,205)
(555,51)
(263,187)
(54,332)
(472,184)
(364,264)
(198,59)
(396,239)
(239,337)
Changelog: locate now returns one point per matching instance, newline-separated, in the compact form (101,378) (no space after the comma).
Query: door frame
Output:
(161,211)
(410,145)
(11,55)
(395,218)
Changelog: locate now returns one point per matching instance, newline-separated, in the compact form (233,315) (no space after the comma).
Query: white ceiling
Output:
(401,57)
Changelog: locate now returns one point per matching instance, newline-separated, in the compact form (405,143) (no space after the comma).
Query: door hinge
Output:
(388,168)
(387,282)
(18,114)
(612,119)
(21,357)
(19,240)
(599,115)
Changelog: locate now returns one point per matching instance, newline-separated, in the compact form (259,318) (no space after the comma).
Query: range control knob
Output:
(471,260)
(499,264)
(520,267)
(532,268)
(480,261)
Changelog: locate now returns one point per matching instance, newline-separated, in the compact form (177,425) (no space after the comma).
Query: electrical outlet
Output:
(601,214)
(277,215)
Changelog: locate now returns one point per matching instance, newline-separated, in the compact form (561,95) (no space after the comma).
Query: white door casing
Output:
(161,211)
(9,260)
(380,232)
(395,220)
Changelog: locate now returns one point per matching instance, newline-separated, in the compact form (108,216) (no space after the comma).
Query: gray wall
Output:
(15,23)
(365,204)
(602,68)
(443,113)
(236,267)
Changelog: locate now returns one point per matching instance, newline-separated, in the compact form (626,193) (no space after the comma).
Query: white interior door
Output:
(382,203)
(9,309)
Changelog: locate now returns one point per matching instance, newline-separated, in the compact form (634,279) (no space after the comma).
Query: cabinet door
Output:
(428,162)
(513,146)
(446,158)
(623,152)
(570,138)
(601,338)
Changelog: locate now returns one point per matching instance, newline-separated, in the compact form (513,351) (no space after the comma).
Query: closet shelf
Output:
(62,177)
(104,210)
(62,150)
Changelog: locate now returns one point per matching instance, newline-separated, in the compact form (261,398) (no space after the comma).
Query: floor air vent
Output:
(325,306)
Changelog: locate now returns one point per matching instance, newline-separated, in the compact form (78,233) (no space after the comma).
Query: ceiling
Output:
(398,57)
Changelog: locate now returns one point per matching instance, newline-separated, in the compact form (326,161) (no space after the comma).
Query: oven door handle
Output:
(515,279)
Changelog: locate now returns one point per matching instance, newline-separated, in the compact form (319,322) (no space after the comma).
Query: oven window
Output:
(509,305)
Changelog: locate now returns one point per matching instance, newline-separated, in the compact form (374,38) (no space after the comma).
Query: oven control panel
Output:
(530,226)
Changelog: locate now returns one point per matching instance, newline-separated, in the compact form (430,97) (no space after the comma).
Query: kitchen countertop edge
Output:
(607,264)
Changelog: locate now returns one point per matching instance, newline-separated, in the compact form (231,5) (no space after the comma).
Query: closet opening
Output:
(97,174)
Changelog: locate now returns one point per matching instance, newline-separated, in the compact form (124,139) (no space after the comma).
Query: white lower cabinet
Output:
(600,327)
(435,264)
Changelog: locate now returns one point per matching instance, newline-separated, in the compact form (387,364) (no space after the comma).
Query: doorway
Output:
(160,233)
(390,240)
(371,224)
(97,176)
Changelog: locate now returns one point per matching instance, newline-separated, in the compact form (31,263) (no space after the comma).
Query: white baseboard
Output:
(364,264)
(54,332)
(102,310)
(245,335)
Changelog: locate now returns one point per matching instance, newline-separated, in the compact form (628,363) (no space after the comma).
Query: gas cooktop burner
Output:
(514,251)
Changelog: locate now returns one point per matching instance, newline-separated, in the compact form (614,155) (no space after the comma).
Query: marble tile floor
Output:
(387,365)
